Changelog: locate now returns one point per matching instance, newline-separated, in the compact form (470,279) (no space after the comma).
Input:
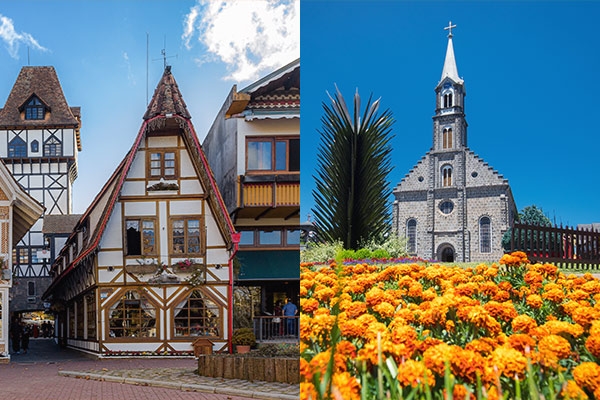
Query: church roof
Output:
(450,70)
(43,83)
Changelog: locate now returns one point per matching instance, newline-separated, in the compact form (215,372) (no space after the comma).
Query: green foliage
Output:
(243,336)
(393,245)
(321,252)
(354,159)
(291,350)
(530,215)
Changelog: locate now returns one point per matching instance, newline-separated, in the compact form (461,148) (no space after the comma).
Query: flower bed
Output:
(512,330)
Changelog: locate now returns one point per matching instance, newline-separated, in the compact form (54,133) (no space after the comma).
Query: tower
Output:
(452,206)
(39,143)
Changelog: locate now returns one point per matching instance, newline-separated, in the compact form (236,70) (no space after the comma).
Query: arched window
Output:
(447,138)
(446,175)
(197,315)
(35,146)
(17,148)
(485,235)
(132,316)
(411,236)
(52,147)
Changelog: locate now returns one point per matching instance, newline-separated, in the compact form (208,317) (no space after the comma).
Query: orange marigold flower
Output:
(308,391)
(385,309)
(501,296)
(504,311)
(572,391)
(553,348)
(534,301)
(355,309)
(523,323)
(585,315)
(413,373)
(466,364)
(308,306)
(514,259)
(578,295)
(509,362)
(562,327)
(324,294)
(374,296)
(587,375)
(483,346)
(522,342)
(593,345)
(554,295)
(435,357)
(345,386)
(461,392)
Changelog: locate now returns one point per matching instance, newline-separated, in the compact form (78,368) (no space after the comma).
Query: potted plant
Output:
(243,339)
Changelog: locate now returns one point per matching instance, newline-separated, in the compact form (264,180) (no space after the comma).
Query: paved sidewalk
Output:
(49,372)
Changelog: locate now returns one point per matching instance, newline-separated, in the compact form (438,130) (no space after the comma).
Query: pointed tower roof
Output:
(167,99)
(450,70)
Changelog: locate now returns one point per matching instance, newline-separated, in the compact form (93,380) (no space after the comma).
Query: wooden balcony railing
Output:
(268,194)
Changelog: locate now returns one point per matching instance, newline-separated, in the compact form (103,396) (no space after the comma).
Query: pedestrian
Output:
(289,311)
(25,338)
(277,313)
(16,331)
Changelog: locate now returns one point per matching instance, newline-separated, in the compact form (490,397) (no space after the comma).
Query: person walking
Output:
(25,338)
(16,331)
(289,311)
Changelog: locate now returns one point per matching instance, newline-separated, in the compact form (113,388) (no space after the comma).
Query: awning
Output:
(269,265)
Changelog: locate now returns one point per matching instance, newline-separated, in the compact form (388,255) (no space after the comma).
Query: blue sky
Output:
(99,50)
(531,77)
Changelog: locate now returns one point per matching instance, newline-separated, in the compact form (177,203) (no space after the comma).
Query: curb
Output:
(179,386)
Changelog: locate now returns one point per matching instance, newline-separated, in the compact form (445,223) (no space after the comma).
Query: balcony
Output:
(268,196)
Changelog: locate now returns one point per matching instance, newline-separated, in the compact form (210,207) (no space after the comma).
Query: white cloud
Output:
(13,39)
(250,37)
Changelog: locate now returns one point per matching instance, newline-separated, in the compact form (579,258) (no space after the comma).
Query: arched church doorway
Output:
(446,253)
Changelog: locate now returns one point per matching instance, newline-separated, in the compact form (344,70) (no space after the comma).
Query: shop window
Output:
(187,236)
(90,301)
(140,237)
(269,238)
(197,315)
(132,316)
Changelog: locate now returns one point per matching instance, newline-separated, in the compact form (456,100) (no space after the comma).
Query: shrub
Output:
(244,337)
(320,252)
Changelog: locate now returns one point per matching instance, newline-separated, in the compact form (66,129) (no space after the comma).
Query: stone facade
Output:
(452,206)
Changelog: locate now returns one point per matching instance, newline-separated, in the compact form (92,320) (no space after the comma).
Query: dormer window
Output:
(34,109)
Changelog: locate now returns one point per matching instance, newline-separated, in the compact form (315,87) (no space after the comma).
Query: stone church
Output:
(452,206)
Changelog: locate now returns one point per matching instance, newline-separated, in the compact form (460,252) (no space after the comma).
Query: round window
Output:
(446,207)
(474,174)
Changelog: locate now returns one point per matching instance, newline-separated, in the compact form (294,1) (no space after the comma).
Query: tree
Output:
(530,215)
(353,161)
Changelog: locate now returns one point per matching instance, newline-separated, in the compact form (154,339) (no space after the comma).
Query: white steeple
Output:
(450,69)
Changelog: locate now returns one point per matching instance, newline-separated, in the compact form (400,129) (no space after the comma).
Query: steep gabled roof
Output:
(165,109)
(43,83)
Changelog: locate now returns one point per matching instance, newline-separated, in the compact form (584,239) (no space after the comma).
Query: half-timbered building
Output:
(18,213)
(147,268)
(39,143)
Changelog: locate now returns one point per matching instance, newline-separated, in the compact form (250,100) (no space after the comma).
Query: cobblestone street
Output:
(48,372)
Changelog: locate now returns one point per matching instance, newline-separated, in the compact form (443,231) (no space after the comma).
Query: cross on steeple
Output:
(449,28)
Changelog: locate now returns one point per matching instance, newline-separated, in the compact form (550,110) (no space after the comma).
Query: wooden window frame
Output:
(162,164)
(141,221)
(447,138)
(133,332)
(202,235)
(446,176)
(283,230)
(189,329)
(273,167)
